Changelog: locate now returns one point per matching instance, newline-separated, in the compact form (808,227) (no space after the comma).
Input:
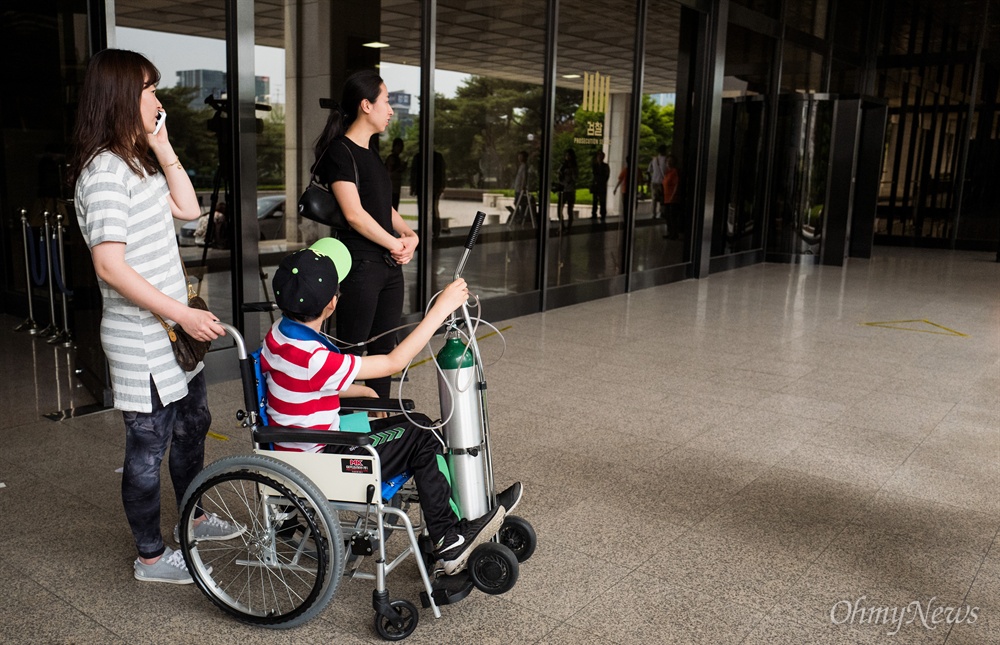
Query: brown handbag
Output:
(188,351)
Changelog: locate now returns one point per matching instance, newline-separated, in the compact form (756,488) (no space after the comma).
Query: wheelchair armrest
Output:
(272,434)
(375,405)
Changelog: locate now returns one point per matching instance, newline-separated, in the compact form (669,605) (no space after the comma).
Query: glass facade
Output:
(592,100)
(488,125)
(663,230)
(545,116)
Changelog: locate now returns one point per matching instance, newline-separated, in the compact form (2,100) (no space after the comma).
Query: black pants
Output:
(181,426)
(600,203)
(567,197)
(371,302)
(413,449)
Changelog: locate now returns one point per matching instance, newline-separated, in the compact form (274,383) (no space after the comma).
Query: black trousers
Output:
(600,203)
(413,449)
(180,426)
(371,303)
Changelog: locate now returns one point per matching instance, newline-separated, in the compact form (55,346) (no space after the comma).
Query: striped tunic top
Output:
(113,204)
(305,375)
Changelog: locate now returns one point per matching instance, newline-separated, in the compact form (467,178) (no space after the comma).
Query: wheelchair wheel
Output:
(409,615)
(493,568)
(263,577)
(518,536)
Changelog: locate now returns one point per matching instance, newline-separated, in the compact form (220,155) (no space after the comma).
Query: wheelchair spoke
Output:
(261,576)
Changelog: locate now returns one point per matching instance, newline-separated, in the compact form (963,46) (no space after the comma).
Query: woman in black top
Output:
(568,174)
(371,301)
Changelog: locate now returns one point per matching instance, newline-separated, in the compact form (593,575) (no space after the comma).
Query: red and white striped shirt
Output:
(305,375)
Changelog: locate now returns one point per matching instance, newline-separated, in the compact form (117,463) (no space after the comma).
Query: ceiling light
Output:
(375,45)
(571,76)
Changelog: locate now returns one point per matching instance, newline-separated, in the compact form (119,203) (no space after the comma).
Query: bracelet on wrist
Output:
(176,163)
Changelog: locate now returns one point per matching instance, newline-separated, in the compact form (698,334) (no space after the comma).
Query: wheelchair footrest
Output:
(448,589)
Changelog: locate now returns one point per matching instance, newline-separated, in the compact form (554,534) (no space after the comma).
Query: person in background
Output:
(599,186)
(416,184)
(568,174)
(671,197)
(657,166)
(396,166)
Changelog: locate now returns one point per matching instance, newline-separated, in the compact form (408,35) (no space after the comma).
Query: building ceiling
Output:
(498,39)
(506,38)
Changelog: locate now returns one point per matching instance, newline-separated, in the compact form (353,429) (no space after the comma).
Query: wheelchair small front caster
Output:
(518,536)
(493,568)
(396,621)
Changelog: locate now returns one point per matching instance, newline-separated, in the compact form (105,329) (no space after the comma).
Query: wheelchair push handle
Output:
(259,307)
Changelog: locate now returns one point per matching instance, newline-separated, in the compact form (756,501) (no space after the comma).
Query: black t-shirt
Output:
(375,190)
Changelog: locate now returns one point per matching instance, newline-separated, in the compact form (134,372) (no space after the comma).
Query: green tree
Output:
(194,144)
(480,131)
(656,127)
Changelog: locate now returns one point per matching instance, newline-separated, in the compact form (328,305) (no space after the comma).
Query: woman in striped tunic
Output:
(129,185)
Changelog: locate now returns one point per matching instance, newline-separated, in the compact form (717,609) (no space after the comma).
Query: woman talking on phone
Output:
(380,242)
(130,185)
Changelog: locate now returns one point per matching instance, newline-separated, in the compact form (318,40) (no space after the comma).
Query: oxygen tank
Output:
(464,431)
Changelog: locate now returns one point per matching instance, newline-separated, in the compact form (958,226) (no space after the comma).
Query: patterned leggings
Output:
(182,426)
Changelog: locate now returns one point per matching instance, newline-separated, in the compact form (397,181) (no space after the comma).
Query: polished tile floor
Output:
(741,459)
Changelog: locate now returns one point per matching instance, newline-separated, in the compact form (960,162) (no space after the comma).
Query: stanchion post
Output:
(29,324)
(65,338)
(52,328)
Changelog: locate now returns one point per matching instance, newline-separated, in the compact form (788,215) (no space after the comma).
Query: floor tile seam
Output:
(828,480)
(764,617)
(982,561)
(972,583)
(732,498)
(607,560)
(706,593)
(964,474)
(807,561)
(593,596)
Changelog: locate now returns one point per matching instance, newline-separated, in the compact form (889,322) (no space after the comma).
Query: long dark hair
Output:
(571,153)
(108,117)
(361,85)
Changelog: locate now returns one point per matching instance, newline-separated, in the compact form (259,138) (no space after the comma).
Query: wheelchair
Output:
(310,519)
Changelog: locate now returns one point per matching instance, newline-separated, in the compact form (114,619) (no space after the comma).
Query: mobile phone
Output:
(161,116)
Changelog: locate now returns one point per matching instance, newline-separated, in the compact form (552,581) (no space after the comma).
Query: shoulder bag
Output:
(188,351)
(318,204)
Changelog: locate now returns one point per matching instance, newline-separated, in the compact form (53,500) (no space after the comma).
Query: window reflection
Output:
(662,230)
(739,212)
(487,143)
(593,99)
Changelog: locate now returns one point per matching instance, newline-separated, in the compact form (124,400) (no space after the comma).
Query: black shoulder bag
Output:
(318,204)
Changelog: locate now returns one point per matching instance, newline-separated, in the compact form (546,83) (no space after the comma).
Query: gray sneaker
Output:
(213,527)
(169,568)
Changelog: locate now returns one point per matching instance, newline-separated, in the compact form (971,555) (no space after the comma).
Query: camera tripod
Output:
(221,236)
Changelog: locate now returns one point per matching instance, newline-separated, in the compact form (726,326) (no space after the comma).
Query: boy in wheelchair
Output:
(306,374)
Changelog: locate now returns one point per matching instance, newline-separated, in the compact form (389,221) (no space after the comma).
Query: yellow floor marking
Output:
(216,435)
(894,324)
(478,338)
